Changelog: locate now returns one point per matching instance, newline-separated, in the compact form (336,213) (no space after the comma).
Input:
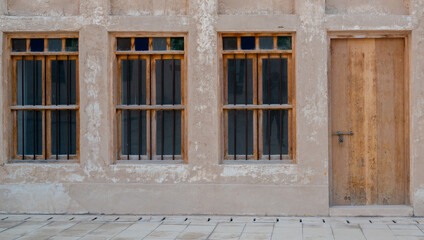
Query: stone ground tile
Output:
(172,227)
(220,219)
(162,234)
(288,233)
(409,238)
(40,217)
(374,226)
(22,229)
(51,229)
(312,220)
(198,219)
(255,236)
(405,221)
(14,217)
(80,229)
(62,218)
(106,218)
(317,233)
(344,226)
(128,218)
(109,229)
(230,227)
(157,218)
(193,235)
(382,220)
(80,218)
(420,220)
(348,234)
(64,238)
(138,229)
(243,219)
(402,232)
(200,228)
(28,237)
(403,226)
(258,228)
(357,220)
(421,226)
(225,235)
(176,220)
(288,224)
(94,238)
(288,220)
(265,219)
(378,234)
(7,224)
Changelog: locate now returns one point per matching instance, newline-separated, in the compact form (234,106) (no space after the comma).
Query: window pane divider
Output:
(26,54)
(150,107)
(44,107)
(257,107)
(149,53)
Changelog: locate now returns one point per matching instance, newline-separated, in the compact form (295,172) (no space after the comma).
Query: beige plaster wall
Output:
(43,7)
(376,7)
(204,185)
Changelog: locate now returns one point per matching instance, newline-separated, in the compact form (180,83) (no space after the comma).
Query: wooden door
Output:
(369,98)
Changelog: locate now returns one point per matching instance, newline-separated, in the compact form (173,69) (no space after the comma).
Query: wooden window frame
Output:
(150,105)
(258,106)
(46,108)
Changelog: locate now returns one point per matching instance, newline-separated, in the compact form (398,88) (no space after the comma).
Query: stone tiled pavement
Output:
(98,227)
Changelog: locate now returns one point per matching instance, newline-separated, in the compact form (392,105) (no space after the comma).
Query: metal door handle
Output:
(340,134)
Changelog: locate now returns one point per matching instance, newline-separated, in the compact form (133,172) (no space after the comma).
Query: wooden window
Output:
(45,100)
(150,97)
(258,97)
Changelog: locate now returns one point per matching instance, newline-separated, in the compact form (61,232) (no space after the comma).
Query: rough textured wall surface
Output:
(376,7)
(43,7)
(204,185)
(148,7)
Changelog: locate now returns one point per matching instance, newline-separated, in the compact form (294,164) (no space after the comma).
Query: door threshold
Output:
(371,211)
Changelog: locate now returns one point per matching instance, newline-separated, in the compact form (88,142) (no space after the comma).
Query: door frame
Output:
(407,100)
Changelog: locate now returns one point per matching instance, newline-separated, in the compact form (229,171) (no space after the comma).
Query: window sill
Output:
(262,162)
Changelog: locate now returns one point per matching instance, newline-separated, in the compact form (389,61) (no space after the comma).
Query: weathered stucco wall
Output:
(204,185)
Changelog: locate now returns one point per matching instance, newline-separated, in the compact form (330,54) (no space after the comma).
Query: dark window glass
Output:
(141,44)
(164,82)
(123,44)
(31,84)
(248,43)
(274,81)
(134,130)
(55,45)
(30,128)
(275,132)
(229,43)
(284,43)
(64,132)
(19,45)
(177,43)
(63,82)
(168,125)
(159,44)
(237,135)
(133,85)
(238,73)
(71,44)
(266,43)
(36,44)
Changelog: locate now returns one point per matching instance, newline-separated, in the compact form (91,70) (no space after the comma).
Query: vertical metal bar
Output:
(23,111)
(269,111)
(245,100)
(128,111)
(34,123)
(150,102)
(68,86)
(57,112)
(173,111)
(45,112)
(163,112)
(235,111)
(140,90)
(281,111)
